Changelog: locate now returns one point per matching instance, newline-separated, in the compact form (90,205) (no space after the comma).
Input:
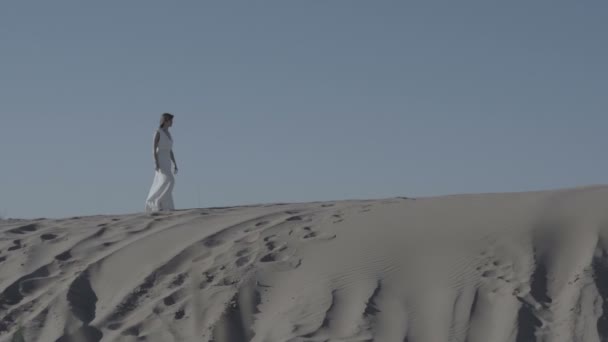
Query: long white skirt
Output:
(160,196)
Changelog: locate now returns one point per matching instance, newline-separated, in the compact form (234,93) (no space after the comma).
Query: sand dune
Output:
(508,267)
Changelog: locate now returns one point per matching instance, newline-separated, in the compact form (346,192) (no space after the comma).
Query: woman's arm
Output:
(173,159)
(156,140)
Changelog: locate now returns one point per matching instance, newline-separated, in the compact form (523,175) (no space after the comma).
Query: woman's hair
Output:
(164,118)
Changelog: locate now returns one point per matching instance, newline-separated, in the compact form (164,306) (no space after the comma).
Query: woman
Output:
(160,196)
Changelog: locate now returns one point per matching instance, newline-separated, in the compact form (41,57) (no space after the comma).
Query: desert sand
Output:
(505,267)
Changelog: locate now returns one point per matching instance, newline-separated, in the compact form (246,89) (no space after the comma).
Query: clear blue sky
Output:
(279,101)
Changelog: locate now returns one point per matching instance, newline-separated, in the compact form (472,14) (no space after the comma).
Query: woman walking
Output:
(160,196)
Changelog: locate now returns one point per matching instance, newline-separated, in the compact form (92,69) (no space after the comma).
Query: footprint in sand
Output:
(281,261)
(271,245)
(306,233)
(16,245)
(270,238)
(294,218)
(46,237)
(309,235)
(180,314)
(489,274)
(178,280)
(337,218)
(209,278)
(243,252)
(212,242)
(245,257)
(257,226)
(242,261)
(169,300)
(270,257)
(496,270)
(24,229)
(114,326)
(64,256)
(275,252)
(131,331)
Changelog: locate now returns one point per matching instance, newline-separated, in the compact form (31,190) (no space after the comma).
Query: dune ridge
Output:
(512,267)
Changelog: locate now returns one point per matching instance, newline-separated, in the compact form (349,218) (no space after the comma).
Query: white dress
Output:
(160,196)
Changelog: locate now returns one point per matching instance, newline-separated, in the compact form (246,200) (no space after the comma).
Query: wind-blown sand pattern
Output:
(512,267)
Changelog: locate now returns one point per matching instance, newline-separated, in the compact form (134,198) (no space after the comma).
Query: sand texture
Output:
(512,267)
